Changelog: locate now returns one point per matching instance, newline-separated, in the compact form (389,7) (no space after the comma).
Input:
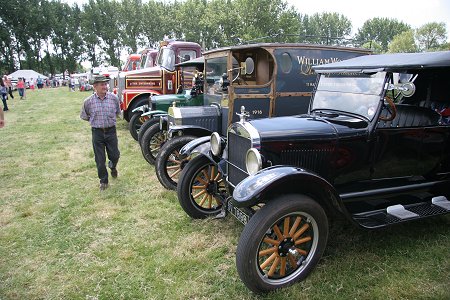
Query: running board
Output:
(402,213)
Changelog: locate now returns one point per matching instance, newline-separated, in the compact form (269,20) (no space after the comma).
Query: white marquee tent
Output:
(27,74)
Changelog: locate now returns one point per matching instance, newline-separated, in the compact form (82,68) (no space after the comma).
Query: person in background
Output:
(32,84)
(39,82)
(4,95)
(8,85)
(21,88)
(101,110)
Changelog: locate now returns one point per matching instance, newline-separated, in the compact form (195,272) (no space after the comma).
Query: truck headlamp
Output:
(216,144)
(253,161)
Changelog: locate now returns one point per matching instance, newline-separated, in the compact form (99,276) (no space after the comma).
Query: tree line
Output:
(51,36)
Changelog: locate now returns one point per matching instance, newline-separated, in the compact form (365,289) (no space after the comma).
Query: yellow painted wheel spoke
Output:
(292,261)
(274,266)
(271,241)
(300,231)
(198,187)
(286,227)
(217,177)
(199,194)
(277,231)
(203,200)
(209,201)
(283,266)
(201,180)
(301,251)
(295,226)
(205,174)
(175,173)
(212,173)
(173,167)
(267,251)
(268,261)
(303,240)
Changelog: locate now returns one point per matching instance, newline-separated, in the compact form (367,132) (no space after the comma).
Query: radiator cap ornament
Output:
(244,115)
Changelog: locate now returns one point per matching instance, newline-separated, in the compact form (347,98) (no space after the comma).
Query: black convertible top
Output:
(388,62)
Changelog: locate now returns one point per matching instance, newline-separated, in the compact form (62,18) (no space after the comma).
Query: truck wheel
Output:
(282,243)
(147,124)
(135,124)
(199,188)
(152,141)
(168,163)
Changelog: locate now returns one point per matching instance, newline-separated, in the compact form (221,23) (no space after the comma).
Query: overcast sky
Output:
(413,12)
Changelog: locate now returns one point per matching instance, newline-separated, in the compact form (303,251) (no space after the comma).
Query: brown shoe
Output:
(114,173)
(103,186)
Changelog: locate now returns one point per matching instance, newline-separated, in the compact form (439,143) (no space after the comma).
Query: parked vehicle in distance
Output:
(135,87)
(132,63)
(270,79)
(374,149)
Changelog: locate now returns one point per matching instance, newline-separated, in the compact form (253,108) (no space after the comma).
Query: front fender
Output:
(153,113)
(202,146)
(199,145)
(179,130)
(253,189)
(142,108)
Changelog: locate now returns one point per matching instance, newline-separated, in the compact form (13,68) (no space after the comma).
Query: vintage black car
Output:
(270,79)
(374,148)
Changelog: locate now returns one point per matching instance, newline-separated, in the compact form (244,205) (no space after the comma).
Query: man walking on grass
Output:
(101,110)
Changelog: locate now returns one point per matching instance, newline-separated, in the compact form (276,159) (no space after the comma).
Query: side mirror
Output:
(407,89)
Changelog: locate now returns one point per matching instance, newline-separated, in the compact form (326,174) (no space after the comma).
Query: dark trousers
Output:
(5,105)
(105,139)
(10,92)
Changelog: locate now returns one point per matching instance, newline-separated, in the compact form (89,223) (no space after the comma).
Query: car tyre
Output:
(168,163)
(152,142)
(147,124)
(200,188)
(136,122)
(282,243)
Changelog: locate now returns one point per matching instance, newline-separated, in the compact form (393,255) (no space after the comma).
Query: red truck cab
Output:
(136,86)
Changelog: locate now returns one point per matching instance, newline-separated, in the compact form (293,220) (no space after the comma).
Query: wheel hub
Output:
(212,187)
(285,246)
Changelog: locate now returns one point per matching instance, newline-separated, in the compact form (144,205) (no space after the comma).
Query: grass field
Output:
(60,238)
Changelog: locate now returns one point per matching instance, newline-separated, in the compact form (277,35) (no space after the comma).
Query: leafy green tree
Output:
(403,42)
(132,20)
(381,30)
(431,36)
(89,29)
(326,28)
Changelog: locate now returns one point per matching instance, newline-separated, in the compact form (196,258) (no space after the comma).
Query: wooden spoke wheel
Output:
(169,164)
(135,124)
(282,243)
(152,142)
(147,124)
(201,188)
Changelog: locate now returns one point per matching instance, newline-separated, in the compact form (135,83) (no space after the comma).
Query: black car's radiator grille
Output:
(310,159)
(237,148)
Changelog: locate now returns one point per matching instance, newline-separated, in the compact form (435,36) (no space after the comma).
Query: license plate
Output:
(239,214)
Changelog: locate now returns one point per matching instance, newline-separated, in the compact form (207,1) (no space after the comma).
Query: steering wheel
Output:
(391,109)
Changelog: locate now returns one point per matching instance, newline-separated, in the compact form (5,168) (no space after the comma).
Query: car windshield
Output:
(215,68)
(355,93)
(166,59)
